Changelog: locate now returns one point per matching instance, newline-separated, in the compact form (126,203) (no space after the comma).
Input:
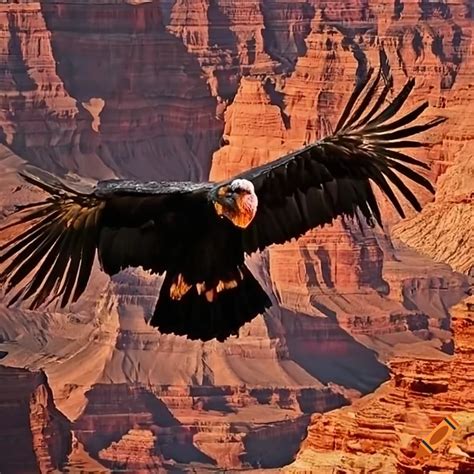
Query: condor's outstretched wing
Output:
(332,177)
(128,223)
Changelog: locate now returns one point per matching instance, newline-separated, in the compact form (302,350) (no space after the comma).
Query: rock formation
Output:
(38,116)
(133,426)
(381,432)
(227,39)
(34,435)
(443,229)
(135,451)
(255,37)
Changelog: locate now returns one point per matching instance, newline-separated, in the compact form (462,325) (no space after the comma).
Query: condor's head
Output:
(236,201)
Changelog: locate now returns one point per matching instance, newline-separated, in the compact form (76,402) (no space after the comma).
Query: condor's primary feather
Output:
(199,233)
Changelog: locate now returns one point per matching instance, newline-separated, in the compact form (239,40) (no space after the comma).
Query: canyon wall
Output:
(231,41)
(34,435)
(106,96)
(443,228)
(214,426)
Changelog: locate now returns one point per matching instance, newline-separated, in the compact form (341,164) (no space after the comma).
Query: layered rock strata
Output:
(138,427)
(443,229)
(254,38)
(383,431)
(134,452)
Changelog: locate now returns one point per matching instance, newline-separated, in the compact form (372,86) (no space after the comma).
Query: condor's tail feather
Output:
(219,314)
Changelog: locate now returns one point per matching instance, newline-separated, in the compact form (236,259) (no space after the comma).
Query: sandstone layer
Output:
(443,230)
(382,432)
(230,41)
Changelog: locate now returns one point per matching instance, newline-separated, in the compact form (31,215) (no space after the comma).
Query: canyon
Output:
(184,89)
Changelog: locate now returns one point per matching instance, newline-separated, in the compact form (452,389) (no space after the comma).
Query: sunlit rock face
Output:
(382,431)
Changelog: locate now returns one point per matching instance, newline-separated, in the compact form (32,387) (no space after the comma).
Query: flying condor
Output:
(200,233)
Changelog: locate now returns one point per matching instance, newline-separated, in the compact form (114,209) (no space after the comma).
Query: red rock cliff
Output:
(443,230)
(34,435)
(38,116)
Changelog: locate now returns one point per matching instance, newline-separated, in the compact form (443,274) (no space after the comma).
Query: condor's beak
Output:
(221,196)
(224,203)
(214,194)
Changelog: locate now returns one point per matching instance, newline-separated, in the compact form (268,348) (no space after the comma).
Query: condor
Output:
(199,233)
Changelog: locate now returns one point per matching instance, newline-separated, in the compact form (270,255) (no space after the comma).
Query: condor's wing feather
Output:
(53,248)
(332,177)
(52,252)
(143,223)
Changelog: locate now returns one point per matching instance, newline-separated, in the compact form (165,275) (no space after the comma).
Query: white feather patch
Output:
(242,184)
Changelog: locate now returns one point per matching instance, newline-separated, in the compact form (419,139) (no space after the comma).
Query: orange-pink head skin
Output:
(237,202)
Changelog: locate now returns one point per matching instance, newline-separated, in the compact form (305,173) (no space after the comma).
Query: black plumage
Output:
(194,232)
